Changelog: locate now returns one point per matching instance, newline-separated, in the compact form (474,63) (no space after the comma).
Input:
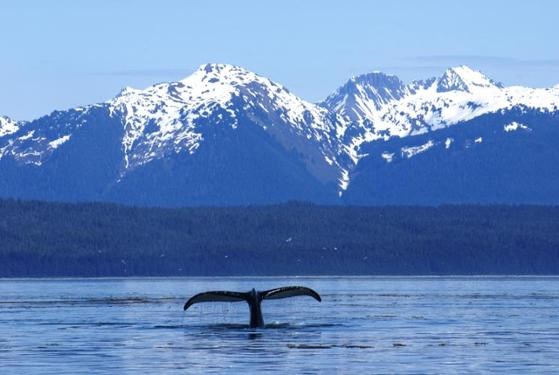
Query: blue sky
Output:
(59,54)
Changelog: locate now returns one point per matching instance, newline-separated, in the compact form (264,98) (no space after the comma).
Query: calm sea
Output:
(364,325)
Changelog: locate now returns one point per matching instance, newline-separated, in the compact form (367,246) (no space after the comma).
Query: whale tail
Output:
(216,296)
(290,291)
(253,298)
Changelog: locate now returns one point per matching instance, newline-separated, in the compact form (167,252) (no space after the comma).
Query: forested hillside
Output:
(54,239)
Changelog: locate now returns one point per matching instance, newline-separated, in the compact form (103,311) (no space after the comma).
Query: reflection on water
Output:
(370,325)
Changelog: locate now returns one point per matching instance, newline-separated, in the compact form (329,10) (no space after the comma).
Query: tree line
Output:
(96,239)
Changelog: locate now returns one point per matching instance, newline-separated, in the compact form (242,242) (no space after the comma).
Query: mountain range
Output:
(227,136)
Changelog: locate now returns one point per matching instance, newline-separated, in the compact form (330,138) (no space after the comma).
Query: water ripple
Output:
(363,325)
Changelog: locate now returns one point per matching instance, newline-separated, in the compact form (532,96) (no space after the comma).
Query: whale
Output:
(254,299)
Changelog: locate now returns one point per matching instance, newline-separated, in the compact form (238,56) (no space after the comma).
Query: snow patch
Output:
(448,142)
(7,126)
(27,136)
(514,126)
(343,181)
(388,156)
(410,152)
(58,142)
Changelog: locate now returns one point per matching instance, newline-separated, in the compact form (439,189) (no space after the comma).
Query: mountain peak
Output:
(374,74)
(463,78)
(126,90)
(377,80)
(213,72)
(211,82)
(217,68)
(377,88)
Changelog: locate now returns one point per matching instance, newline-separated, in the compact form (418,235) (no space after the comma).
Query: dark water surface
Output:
(364,325)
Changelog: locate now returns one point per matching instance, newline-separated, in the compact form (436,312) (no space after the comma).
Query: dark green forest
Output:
(94,239)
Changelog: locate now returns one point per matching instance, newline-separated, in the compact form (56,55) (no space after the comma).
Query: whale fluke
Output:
(215,296)
(290,291)
(253,298)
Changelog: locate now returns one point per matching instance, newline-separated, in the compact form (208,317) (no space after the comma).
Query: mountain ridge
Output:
(205,116)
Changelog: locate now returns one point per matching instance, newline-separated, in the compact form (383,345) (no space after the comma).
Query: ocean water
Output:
(363,325)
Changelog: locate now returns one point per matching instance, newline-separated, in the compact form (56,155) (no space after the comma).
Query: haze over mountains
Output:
(227,136)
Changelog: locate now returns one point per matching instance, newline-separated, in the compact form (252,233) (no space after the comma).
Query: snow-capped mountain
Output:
(165,118)
(460,94)
(170,118)
(225,135)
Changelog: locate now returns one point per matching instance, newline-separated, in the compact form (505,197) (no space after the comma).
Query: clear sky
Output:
(64,53)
